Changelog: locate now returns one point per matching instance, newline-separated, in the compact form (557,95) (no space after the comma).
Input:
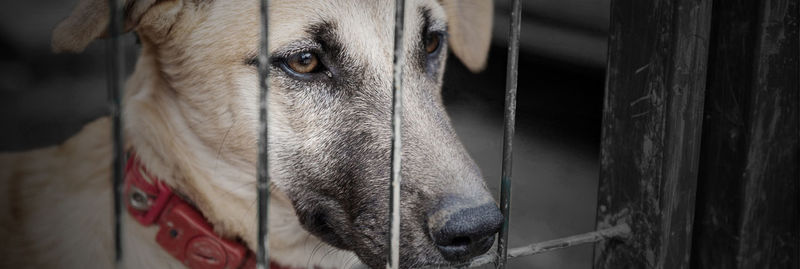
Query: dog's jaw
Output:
(291,245)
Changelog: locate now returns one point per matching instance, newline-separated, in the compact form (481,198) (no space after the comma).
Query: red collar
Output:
(184,232)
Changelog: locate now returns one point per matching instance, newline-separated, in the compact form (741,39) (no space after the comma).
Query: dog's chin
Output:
(371,254)
(409,262)
(375,254)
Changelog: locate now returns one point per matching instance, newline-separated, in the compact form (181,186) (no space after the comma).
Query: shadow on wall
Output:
(45,98)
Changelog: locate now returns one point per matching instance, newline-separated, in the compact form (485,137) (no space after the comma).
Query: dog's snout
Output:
(461,232)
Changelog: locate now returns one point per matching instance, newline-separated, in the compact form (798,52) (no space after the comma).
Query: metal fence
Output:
(393,259)
(115,58)
(682,27)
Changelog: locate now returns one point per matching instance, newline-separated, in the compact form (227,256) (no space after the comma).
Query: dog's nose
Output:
(461,232)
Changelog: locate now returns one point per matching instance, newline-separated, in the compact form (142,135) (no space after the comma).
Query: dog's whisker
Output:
(305,243)
(232,191)
(349,262)
(313,253)
(330,250)
(222,145)
(272,190)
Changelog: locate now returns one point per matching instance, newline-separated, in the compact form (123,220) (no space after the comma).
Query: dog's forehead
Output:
(364,28)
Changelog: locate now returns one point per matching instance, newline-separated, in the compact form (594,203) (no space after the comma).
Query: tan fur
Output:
(471,30)
(186,132)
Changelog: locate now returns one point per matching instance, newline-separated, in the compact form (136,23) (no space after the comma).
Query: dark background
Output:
(45,98)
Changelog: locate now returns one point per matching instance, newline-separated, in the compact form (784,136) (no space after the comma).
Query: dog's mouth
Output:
(454,240)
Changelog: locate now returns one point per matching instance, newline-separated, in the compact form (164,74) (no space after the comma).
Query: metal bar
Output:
(621,231)
(262,177)
(397,108)
(115,58)
(512,71)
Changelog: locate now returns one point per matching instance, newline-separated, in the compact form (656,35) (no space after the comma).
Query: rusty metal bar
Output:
(509,119)
(397,151)
(262,177)
(621,231)
(115,59)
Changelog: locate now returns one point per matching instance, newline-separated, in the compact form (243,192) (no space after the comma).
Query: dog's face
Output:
(330,116)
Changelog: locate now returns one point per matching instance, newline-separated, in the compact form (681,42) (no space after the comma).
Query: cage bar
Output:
(397,151)
(115,58)
(262,173)
(509,119)
(617,232)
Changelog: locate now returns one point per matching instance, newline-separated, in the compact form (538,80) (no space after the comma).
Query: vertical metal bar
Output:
(262,185)
(509,119)
(397,108)
(115,58)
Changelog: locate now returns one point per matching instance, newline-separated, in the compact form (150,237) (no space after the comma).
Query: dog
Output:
(191,117)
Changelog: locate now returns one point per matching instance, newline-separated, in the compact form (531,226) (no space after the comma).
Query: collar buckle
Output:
(183,231)
(147,197)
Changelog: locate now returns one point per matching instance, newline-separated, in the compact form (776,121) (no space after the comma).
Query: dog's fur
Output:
(190,113)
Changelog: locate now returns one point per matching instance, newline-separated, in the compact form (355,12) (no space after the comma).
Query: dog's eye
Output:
(432,42)
(303,62)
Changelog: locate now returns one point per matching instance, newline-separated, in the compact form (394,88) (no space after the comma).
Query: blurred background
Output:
(45,98)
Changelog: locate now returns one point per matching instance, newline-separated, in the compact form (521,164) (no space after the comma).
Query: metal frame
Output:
(397,122)
(115,60)
(509,122)
(262,177)
(116,73)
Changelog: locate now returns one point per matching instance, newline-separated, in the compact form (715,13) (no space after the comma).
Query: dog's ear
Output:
(89,20)
(470,30)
